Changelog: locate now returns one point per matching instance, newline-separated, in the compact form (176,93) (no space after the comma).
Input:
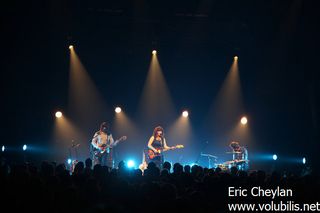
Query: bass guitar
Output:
(98,152)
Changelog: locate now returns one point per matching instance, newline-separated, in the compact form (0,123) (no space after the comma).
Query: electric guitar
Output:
(152,154)
(98,152)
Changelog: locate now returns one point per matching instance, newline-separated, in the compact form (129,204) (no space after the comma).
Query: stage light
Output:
(70,47)
(24,148)
(58,114)
(185,113)
(131,164)
(304,160)
(244,120)
(3,148)
(69,161)
(118,110)
(274,157)
(235,58)
(154,52)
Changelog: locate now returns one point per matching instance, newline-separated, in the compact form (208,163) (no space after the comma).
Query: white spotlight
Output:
(244,120)
(118,110)
(185,113)
(58,114)
(24,148)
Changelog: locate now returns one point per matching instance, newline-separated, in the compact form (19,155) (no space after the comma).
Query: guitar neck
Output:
(171,148)
(117,141)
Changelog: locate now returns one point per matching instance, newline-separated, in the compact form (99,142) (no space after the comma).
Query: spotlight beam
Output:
(229,102)
(82,90)
(156,105)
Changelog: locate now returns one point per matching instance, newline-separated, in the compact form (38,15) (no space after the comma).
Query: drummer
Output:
(240,153)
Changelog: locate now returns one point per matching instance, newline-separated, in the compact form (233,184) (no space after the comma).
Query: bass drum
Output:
(223,167)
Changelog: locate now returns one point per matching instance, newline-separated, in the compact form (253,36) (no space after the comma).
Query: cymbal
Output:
(208,155)
(241,161)
(233,152)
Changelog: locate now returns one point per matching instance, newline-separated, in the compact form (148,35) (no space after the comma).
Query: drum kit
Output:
(240,163)
(227,164)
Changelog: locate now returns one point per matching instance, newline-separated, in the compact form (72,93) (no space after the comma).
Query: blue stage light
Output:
(304,160)
(3,148)
(24,148)
(69,161)
(274,157)
(131,164)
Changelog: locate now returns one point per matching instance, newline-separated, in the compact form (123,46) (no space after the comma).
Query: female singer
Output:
(157,143)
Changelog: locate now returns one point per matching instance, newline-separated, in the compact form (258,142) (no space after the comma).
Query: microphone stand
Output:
(203,147)
(74,146)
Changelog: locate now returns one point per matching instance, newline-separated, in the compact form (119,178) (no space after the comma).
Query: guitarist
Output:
(103,143)
(156,144)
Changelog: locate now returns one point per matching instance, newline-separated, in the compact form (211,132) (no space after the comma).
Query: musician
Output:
(103,144)
(157,143)
(240,155)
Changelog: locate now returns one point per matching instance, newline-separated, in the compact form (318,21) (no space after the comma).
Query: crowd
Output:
(53,188)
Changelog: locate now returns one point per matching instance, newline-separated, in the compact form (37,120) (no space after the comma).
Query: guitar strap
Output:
(162,142)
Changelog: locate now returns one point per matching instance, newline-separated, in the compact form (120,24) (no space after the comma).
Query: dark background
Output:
(277,43)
